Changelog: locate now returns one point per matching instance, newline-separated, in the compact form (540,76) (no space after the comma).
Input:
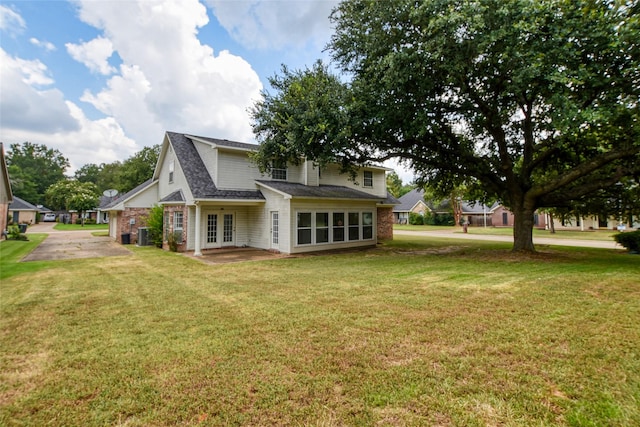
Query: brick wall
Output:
(139,215)
(4,211)
(385,223)
(171,210)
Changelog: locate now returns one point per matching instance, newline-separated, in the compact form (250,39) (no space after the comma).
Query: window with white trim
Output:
(314,228)
(354,225)
(368,179)
(279,171)
(322,227)
(177,224)
(304,228)
(367,225)
(338,227)
(171,170)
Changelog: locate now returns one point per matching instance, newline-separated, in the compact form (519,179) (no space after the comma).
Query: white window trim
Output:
(345,226)
(364,179)
(276,171)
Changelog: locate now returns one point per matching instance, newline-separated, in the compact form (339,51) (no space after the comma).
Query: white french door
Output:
(218,230)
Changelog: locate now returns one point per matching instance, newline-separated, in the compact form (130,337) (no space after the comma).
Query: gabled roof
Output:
(176,196)
(194,169)
(410,200)
(301,191)
(198,178)
(225,143)
(477,208)
(128,195)
(19,204)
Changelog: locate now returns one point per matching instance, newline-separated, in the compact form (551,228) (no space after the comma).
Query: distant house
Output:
(478,214)
(412,202)
(6,196)
(23,212)
(213,196)
(127,212)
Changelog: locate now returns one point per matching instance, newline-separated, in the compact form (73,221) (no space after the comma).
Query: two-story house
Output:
(214,196)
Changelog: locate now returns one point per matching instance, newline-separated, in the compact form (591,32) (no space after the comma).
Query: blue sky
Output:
(99,80)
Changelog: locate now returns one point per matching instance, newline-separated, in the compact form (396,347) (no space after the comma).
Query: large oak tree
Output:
(533,102)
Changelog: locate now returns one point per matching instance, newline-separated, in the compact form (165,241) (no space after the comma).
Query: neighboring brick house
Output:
(215,197)
(128,212)
(6,196)
(500,216)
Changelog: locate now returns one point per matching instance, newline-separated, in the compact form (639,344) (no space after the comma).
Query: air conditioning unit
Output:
(143,236)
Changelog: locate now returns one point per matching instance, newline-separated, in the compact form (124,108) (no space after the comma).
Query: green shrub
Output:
(438,219)
(155,224)
(631,240)
(416,219)
(174,240)
(13,233)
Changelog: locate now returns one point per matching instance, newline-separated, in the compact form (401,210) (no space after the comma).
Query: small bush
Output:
(13,233)
(174,240)
(155,224)
(416,219)
(631,240)
(439,219)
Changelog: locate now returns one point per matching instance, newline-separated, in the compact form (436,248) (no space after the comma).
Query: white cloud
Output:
(275,24)
(11,21)
(94,141)
(168,80)
(25,103)
(48,46)
(406,174)
(94,54)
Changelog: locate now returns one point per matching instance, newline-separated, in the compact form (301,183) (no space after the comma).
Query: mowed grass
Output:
(416,332)
(603,235)
(77,227)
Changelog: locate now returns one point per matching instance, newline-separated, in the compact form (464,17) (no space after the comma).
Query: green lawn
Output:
(417,332)
(72,227)
(508,231)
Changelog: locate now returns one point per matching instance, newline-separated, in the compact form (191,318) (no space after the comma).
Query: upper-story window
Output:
(171,170)
(279,171)
(368,179)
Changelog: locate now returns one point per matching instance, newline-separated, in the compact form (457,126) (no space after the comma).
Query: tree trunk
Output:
(552,227)
(523,230)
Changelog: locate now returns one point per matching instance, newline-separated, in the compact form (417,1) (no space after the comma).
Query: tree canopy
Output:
(122,176)
(33,168)
(534,103)
(72,195)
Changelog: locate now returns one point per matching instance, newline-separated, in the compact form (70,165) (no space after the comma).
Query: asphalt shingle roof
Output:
(176,196)
(227,143)
(128,194)
(320,192)
(198,178)
(409,200)
(19,204)
(194,169)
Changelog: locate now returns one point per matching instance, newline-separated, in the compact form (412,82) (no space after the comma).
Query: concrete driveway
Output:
(72,244)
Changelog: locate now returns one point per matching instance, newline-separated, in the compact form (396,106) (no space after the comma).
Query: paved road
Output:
(72,244)
(493,238)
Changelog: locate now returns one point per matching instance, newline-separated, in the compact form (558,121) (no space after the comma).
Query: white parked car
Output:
(49,217)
